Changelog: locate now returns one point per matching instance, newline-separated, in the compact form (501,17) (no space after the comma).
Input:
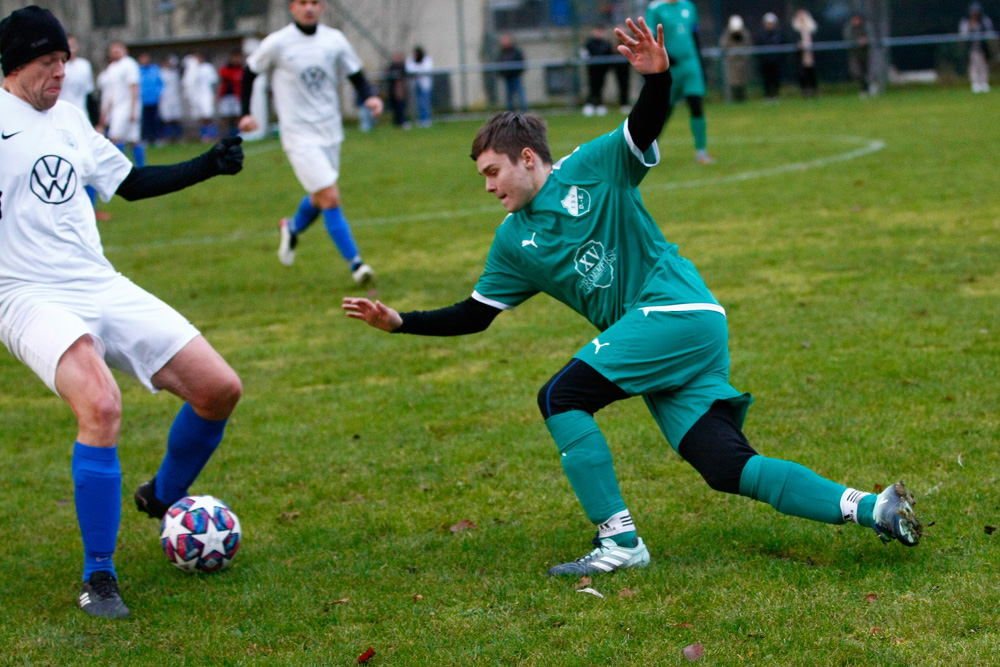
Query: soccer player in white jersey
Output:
(70,317)
(578,231)
(123,108)
(307,61)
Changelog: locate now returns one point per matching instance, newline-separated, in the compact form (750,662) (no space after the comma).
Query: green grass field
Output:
(854,244)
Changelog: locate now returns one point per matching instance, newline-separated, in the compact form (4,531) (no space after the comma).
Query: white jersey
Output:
(48,231)
(306,72)
(119,77)
(171,107)
(78,83)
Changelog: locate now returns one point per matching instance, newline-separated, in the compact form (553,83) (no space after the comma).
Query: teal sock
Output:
(587,462)
(792,489)
(699,128)
(866,511)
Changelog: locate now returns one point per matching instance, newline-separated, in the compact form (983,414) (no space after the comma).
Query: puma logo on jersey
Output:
(530,241)
(598,345)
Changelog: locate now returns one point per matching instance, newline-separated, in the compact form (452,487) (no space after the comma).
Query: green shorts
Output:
(688,81)
(677,361)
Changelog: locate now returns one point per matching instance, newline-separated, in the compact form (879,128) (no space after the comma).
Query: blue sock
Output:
(92,193)
(191,442)
(139,155)
(304,217)
(340,232)
(120,146)
(97,480)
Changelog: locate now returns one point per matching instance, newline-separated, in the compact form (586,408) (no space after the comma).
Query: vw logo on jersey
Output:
(595,265)
(313,78)
(53,179)
(577,202)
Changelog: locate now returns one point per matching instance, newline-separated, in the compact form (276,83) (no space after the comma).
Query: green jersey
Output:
(587,240)
(679,20)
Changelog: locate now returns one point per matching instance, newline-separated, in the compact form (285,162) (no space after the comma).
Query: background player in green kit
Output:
(679,19)
(578,231)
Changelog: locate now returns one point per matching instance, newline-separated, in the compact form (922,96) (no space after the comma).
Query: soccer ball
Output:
(200,533)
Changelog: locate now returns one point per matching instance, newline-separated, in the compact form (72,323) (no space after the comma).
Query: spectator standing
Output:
(397,93)
(596,48)
(198,84)
(858,37)
(171,107)
(150,87)
(512,59)
(623,77)
(121,102)
(770,63)
(976,25)
(230,79)
(805,25)
(419,66)
(78,83)
(736,65)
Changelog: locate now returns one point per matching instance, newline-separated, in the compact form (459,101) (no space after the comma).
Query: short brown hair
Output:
(509,133)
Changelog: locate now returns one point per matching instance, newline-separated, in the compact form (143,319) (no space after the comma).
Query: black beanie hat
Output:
(27,34)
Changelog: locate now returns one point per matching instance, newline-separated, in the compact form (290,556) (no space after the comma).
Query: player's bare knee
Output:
(100,413)
(220,402)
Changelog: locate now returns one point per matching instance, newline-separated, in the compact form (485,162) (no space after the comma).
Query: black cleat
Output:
(100,596)
(146,500)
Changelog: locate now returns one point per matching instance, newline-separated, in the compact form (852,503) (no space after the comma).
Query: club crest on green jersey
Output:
(595,265)
(577,202)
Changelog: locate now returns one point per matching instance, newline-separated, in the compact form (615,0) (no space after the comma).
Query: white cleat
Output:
(607,557)
(363,274)
(286,247)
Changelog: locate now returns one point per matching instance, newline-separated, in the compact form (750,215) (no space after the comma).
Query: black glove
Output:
(226,157)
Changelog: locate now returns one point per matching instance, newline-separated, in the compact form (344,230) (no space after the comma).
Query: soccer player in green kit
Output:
(578,231)
(679,19)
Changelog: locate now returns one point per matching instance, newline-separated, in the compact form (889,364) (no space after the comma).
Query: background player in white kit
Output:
(307,61)
(122,109)
(77,86)
(69,316)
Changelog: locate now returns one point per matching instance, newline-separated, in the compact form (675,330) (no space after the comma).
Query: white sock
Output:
(618,523)
(849,504)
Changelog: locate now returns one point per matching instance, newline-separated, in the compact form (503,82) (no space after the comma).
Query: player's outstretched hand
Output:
(647,55)
(376,314)
(226,157)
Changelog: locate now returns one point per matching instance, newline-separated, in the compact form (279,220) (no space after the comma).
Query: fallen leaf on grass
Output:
(464,524)
(683,625)
(288,517)
(694,652)
(990,529)
(879,488)
(876,630)
(583,583)
(591,591)
(625,593)
(340,601)
(366,656)
(418,597)
(871,597)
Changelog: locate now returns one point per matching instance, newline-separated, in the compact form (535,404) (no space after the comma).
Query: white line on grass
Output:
(864,145)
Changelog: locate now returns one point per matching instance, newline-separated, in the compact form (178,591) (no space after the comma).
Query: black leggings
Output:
(715,445)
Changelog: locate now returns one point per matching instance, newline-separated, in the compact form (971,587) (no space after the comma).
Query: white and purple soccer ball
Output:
(200,534)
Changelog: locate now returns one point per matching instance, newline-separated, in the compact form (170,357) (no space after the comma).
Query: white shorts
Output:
(121,127)
(133,330)
(229,106)
(316,167)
